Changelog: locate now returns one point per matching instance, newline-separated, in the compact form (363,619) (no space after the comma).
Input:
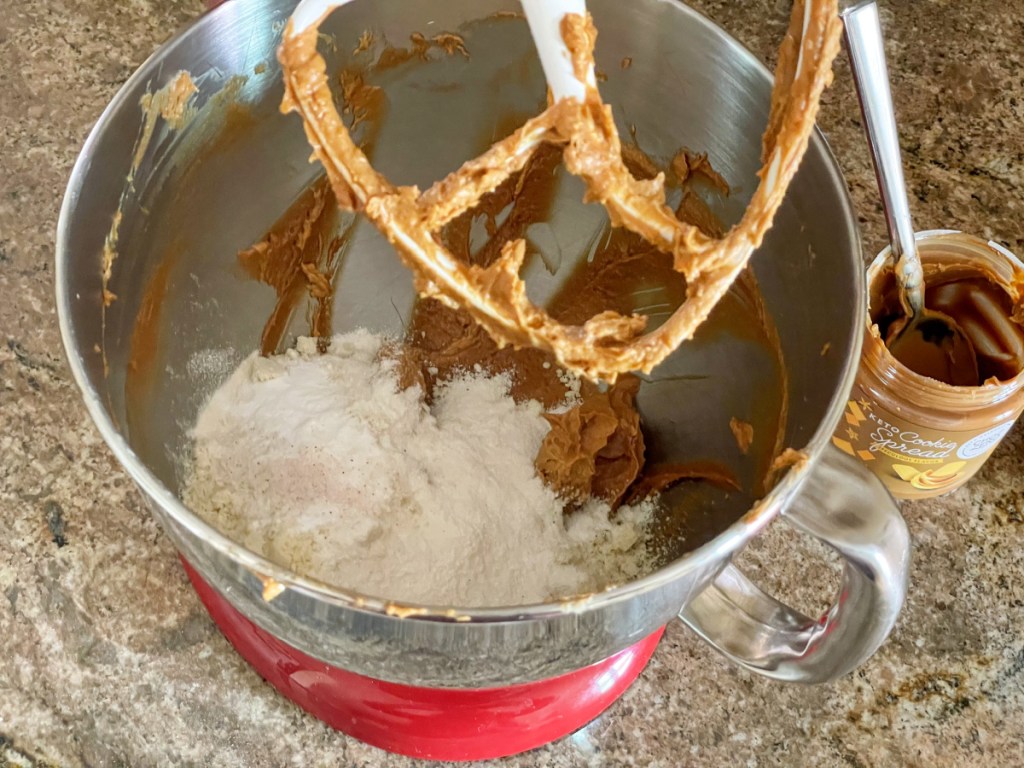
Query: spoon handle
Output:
(871,77)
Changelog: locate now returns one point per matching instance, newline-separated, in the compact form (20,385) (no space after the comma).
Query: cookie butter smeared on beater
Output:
(607,344)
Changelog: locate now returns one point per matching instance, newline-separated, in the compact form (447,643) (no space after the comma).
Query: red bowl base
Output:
(430,723)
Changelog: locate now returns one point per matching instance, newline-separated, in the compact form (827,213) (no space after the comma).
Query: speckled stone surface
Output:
(108,659)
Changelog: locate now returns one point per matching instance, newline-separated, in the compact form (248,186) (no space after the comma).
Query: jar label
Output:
(913,461)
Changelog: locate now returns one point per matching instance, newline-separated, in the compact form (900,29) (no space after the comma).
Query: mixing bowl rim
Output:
(716,551)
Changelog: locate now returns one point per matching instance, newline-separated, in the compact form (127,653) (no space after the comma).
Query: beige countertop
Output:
(107,657)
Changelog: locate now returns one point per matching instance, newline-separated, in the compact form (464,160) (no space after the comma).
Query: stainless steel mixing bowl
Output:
(201,193)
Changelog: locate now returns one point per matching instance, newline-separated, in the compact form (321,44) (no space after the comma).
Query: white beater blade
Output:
(545,19)
(307,12)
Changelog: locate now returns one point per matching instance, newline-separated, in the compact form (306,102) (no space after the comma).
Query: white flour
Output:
(320,464)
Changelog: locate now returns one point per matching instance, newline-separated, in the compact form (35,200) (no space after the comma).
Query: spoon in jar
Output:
(928,342)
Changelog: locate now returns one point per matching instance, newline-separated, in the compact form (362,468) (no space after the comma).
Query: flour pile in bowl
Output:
(326,465)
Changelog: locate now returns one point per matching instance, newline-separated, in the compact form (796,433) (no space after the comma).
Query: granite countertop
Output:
(107,657)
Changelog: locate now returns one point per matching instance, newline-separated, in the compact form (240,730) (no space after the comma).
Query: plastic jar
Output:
(923,437)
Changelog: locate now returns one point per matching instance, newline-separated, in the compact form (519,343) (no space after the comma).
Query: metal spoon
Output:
(928,342)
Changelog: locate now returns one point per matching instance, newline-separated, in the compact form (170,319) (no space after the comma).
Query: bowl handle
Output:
(845,506)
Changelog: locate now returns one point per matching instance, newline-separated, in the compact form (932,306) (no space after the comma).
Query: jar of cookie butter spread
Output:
(924,437)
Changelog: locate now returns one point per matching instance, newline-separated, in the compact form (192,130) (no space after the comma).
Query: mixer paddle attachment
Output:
(608,344)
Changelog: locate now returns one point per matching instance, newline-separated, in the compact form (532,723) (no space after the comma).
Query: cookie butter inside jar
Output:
(922,435)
